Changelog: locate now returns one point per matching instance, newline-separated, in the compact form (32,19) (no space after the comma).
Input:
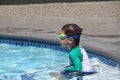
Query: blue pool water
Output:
(35,63)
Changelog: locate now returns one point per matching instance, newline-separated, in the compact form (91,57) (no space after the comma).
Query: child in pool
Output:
(70,37)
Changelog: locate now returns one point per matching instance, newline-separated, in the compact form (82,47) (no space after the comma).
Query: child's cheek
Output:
(64,42)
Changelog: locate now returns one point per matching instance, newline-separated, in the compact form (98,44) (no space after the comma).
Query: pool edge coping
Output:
(110,52)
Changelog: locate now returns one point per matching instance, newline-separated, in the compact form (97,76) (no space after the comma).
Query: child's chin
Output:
(63,45)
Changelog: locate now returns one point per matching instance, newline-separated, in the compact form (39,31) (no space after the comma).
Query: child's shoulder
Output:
(75,50)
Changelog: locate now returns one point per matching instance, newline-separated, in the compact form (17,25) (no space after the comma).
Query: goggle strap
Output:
(76,36)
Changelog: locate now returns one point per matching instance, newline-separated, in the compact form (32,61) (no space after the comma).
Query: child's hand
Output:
(63,67)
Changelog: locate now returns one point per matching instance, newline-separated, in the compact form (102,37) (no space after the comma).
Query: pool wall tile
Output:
(55,46)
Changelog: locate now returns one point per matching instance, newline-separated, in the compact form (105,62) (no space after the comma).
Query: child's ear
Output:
(70,40)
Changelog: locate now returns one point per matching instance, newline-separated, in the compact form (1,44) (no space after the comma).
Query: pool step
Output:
(27,77)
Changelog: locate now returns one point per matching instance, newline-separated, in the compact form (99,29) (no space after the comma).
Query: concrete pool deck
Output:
(100,21)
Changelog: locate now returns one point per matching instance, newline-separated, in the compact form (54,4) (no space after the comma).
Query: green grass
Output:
(10,2)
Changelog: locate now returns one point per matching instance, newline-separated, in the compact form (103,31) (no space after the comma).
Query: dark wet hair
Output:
(72,30)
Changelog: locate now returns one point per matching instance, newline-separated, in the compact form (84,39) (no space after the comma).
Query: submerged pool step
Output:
(104,59)
(27,77)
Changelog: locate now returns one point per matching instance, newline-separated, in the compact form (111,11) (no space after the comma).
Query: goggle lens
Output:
(62,36)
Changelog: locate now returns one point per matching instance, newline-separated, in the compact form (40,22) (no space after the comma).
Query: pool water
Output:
(35,63)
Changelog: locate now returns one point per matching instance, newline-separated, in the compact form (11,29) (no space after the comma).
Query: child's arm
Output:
(77,65)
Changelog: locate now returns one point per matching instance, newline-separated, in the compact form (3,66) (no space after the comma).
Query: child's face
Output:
(64,41)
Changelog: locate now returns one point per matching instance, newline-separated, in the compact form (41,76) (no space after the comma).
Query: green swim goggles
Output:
(62,36)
